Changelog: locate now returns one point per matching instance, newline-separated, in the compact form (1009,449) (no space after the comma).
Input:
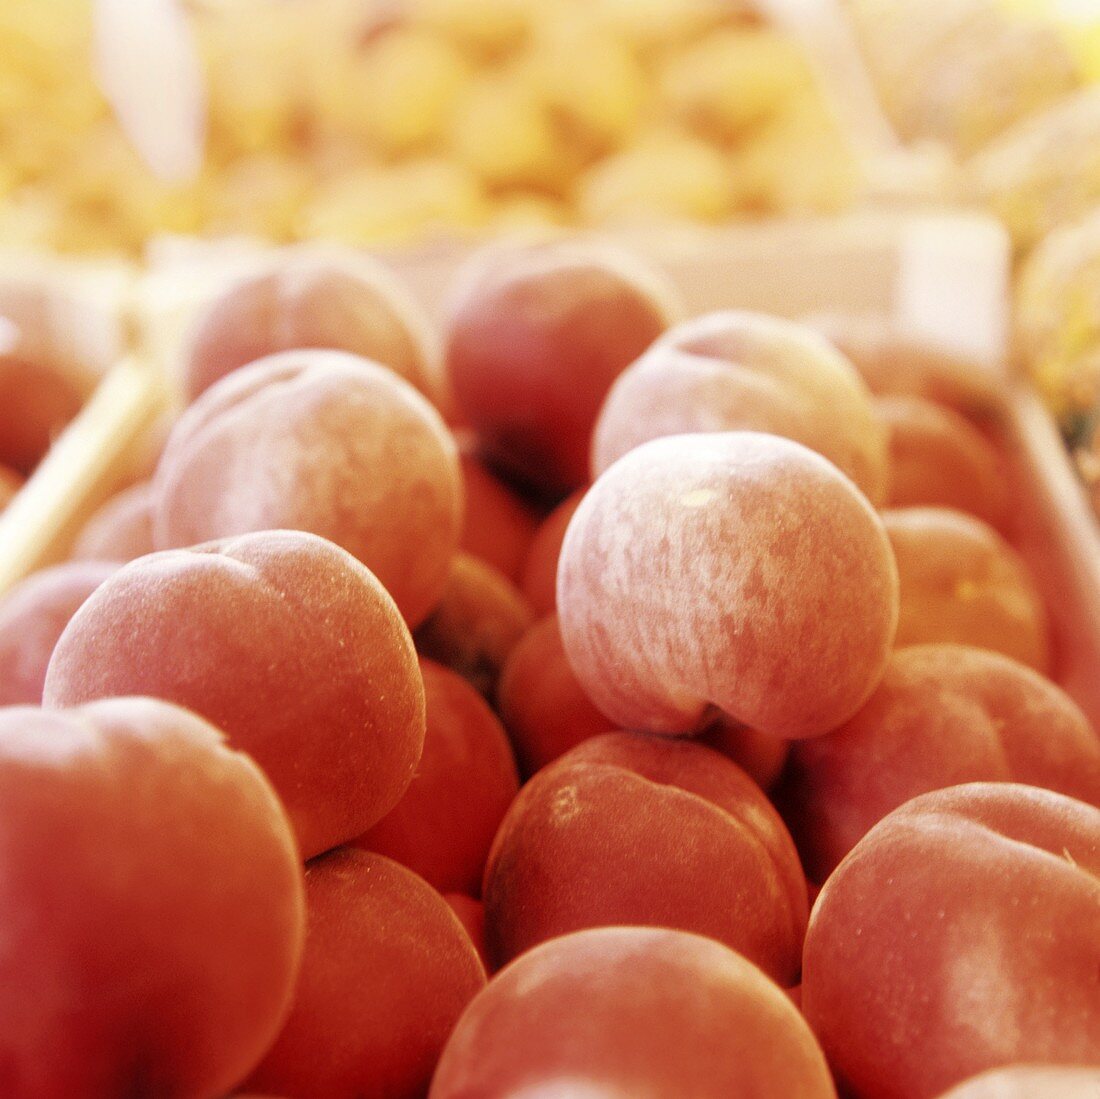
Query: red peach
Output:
(961,934)
(499,524)
(631,1012)
(534,338)
(741,371)
(760,756)
(386,973)
(121,529)
(938,458)
(325,442)
(543,707)
(737,570)
(309,298)
(632,829)
(942,715)
(471,914)
(36,401)
(476,624)
(539,581)
(443,826)
(1030,1082)
(284,641)
(32,617)
(10,484)
(962,582)
(152,904)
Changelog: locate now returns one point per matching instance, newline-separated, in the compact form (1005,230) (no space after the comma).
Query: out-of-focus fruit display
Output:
(962,71)
(375,124)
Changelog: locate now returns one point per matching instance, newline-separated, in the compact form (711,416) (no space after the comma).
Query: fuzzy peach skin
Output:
(325,442)
(938,458)
(539,579)
(961,934)
(386,973)
(152,904)
(443,826)
(942,715)
(962,582)
(284,641)
(33,616)
(534,337)
(499,524)
(121,529)
(306,298)
(634,829)
(475,625)
(738,571)
(1030,1082)
(742,371)
(631,1013)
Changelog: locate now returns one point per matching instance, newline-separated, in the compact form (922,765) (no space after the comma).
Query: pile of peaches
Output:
(637,706)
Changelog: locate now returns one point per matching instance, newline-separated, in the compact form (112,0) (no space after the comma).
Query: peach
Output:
(32,617)
(942,715)
(543,707)
(476,624)
(471,914)
(121,529)
(10,484)
(36,402)
(308,298)
(961,934)
(741,371)
(500,524)
(325,442)
(760,756)
(386,973)
(632,829)
(539,580)
(1030,1082)
(284,641)
(622,1012)
(962,582)
(734,571)
(534,338)
(152,904)
(443,826)
(938,458)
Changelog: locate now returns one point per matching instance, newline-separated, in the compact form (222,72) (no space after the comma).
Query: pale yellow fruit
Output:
(734,80)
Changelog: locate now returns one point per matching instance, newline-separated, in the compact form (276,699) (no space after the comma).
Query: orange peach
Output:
(962,582)
(476,624)
(386,973)
(443,826)
(938,458)
(534,338)
(311,298)
(942,715)
(152,904)
(499,524)
(741,371)
(543,707)
(325,442)
(32,617)
(737,572)
(624,1012)
(283,640)
(961,934)
(540,568)
(121,529)
(632,829)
